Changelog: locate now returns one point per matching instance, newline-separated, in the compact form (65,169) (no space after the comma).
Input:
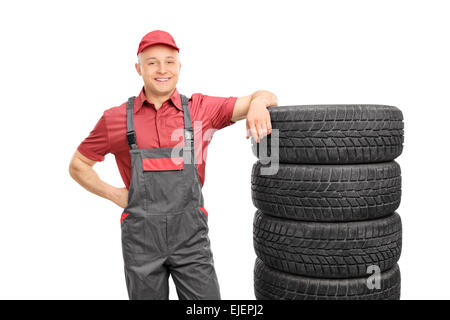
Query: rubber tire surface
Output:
(335,134)
(270,284)
(328,192)
(327,250)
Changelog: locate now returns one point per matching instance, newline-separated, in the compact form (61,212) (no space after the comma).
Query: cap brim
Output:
(165,43)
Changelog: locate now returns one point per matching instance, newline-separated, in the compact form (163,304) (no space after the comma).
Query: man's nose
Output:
(162,68)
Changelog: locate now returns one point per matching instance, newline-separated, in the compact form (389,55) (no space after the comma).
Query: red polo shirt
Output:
(154,128)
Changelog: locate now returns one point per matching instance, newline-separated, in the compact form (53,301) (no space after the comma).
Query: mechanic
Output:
(164,223)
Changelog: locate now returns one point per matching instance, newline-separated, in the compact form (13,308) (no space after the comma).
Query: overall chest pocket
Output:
(165,184)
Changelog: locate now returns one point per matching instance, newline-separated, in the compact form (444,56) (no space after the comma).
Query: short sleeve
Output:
(96,145)
(219,109)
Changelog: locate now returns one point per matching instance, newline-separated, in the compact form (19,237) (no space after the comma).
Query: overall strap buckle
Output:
(188,135)
(131,137)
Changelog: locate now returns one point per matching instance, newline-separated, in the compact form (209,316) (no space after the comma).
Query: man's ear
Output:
(138,69)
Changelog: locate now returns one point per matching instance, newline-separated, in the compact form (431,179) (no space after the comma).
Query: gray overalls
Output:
(164,226)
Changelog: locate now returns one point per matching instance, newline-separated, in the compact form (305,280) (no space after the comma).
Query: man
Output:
(164,224)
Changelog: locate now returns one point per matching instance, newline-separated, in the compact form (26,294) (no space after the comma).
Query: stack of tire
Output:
(325,225)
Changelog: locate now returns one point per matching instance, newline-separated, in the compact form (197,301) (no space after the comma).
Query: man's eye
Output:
(170,62)
(151,63)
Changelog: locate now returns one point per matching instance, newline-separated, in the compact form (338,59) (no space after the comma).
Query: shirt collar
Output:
(140,100)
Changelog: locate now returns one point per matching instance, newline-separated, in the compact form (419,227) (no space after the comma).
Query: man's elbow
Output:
(78,164)
(74,167)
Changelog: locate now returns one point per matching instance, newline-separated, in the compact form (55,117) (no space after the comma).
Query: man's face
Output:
(160,67)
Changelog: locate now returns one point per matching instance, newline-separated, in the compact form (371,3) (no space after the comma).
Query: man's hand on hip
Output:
(120,197)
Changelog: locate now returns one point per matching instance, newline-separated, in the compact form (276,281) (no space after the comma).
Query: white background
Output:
(63,63)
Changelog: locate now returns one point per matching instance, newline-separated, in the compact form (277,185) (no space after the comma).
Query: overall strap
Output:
(187,114)
(131,134)
(188,130)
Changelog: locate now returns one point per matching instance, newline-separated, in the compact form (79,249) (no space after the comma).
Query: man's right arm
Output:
(82,171)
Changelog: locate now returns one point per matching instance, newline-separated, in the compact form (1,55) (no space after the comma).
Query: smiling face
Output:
(159,67)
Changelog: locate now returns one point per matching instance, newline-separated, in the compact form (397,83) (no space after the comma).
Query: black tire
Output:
(271,284)
(328,192)
(335,134)
(327,250)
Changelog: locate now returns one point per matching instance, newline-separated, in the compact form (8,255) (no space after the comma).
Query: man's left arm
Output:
(254,109)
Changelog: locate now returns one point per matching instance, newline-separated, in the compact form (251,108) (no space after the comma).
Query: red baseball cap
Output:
(157,37)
